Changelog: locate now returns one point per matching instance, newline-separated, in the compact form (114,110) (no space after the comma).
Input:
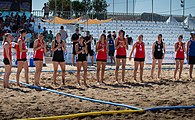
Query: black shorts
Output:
(81,59)
(46,14)
(179,58)
(37,59)
(101,60)
(120,56)
(111,52)
(23,59)
(6,61)
(90,52)
(158,56)
(139,59)
(191,60)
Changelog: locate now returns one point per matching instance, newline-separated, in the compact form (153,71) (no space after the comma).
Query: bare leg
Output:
(98,71)
(92,60)
(181,68)
(63,68)
(103,71)
(117,68)
(85,72)
(141,70)
(78,72)
(25,64)
(159,68)
(135,69)
(191,69)
(123,69)
(153,66)
(73,59)
(176,68)
(6,76)
(20,66)
(55,66)
(36,72)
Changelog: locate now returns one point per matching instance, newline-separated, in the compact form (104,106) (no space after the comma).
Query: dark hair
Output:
(181,36)
(141,35)
(104,36)
(41,33)
(22,31)
(77,29)
(58,33)
(62,27)
(113,32)
(122,31)
(87,32)
(109,36)
(160,35)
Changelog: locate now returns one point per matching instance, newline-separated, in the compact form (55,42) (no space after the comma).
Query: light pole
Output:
(152,10)
(127,7)
(113,8)
(170,7)
(70,8)
(133,9)
(183,6)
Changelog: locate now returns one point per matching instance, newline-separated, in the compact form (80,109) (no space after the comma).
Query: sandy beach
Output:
(23,102)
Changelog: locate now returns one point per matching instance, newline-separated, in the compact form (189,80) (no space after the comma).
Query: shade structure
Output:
(58,20)
(108,20)
(91,21)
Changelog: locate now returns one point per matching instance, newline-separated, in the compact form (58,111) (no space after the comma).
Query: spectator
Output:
(7,19)
(31,18)
(46,11)
(45,33)
(50,36)
(23,18)
(31,30)
(1,18)
(49,52)
(114,35)
(14,26)
(64,34)
(88,39)
(17,18)
(39,30)
(1,33)
(104,32)
(7,28)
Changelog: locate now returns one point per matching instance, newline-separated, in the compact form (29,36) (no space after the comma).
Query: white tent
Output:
(171,20)
(190,22)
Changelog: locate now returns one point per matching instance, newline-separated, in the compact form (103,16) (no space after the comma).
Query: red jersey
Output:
(10,51)
(21,55)
(40,52)
(140,52)
(180,52)
(121,51)
(102,55)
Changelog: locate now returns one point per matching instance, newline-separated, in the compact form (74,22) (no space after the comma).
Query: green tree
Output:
(100,8)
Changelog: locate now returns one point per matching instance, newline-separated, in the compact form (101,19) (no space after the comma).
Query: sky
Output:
(160,6)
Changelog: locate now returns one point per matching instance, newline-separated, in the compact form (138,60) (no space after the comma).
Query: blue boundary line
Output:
(168,108)
(79,97)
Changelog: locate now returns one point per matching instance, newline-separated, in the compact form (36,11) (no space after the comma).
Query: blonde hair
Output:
(5,37)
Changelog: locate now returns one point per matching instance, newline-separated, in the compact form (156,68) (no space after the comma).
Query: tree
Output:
(100,8)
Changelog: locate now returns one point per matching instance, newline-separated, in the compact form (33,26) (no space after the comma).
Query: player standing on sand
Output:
(58,48)
(7,58)
(121,47)
(81,59)
(21,51)
(179,56)
(101,49)
(139,59)
(39,48)
(158,53)
(190,53)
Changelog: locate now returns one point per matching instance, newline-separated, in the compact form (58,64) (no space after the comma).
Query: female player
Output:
(139,56)
(7,60)
(58,49)
(81,52)
(190,53)
(101,49)
(158,53)
(21,56)
(121,47)
(179,55)
(39,49)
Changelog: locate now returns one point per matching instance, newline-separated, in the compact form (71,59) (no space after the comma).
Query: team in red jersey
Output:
(139,59)
(101,49)
(39,49)
(179,56)
(21,51)
(7,60)
(121,47)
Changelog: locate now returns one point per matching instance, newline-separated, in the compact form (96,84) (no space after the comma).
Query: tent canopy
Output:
(171,19)
(95,21)
(58,20)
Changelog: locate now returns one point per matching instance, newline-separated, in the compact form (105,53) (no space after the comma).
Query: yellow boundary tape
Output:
(85,114)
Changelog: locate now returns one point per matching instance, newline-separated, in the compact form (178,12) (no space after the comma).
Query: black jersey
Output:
(158,51)
(58,54)
(81,56)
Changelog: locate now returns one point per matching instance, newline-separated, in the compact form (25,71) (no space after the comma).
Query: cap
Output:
(192,33)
